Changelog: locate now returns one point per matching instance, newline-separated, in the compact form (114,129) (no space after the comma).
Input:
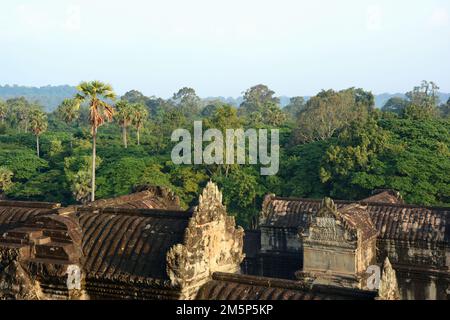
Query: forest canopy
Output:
(333,144)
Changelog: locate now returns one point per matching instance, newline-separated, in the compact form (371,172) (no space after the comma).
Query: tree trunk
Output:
(94,149)
(124,136)
(138,137)
(37,145)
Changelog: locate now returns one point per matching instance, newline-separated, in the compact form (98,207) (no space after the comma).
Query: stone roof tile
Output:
(392,221)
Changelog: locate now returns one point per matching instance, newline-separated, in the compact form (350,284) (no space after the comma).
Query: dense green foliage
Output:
(362,149)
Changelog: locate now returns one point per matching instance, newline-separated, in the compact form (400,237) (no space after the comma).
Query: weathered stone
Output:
(211,244)
(415,238)
(388,283)
(122,248)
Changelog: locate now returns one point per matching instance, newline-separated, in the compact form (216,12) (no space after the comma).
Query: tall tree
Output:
(330,111)
(187,101)
(134,96)
(395,105)
(139,115)
(124,116)
(18,112)
(256,99)
(223,118)
(423,101)
(5,180)
(69,110)
(3,110)
(445,109)
(97,93)
(260,107)
(295,106)
(38,125)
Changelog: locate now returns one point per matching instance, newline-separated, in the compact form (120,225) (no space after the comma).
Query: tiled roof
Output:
(358,218)
(385,196)
(145,198)
(130,243)
(243,287)
(392,221)
(13,212)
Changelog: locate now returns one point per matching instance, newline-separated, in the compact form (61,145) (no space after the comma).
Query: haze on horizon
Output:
(223,48)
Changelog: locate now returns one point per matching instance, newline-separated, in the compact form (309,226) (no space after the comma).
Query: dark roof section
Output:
(146,197)
(385,196)
(357,218)
(225,286)
(392,221)
(129,244)
(16,212)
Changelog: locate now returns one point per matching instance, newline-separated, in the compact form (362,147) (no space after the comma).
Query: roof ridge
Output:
(362,202)
(260,281)
(29,204)
(290,285)
(160,213)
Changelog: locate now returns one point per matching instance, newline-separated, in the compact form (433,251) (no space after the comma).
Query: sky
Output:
(221,48)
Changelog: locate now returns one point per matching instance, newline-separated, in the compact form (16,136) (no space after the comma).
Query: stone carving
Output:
(15,282)
(388,284)
(328,225)
(265,208)
(212,243)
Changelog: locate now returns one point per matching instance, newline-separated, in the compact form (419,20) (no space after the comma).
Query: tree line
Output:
(335,144)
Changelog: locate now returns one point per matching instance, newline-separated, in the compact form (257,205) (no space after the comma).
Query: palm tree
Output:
(80,186)
(124,116)
(19,109)
(100,111)
(140,113)
(38,125)
(69,110)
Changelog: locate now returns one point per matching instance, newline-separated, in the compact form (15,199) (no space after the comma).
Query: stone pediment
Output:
(340,225)
(328,226)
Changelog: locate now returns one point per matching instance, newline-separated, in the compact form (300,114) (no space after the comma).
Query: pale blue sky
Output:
(224,47)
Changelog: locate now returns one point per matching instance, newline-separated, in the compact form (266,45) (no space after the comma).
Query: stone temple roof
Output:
(121,240)
(13,212)
(122,248)
(145,197)
(225,286)
(385,196)
(392,220)
(120,243)
(357,219)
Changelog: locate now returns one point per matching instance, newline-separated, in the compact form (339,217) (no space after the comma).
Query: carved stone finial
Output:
(388,283)
(329,203)
(210,206)
(327,206)
(265,211)
(210,195)
(212,243)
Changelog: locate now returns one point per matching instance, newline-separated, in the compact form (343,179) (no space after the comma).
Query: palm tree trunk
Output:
(37,145)
(124,136)
(94,149)
(138,137)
